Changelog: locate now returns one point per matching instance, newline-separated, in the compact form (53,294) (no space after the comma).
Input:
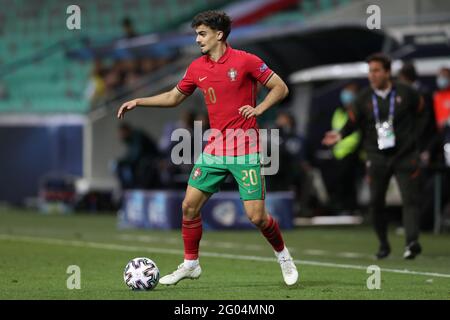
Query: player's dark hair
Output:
(409,72)
(353,85)
(445,70)
(216,20)
(290,116)
(381,58)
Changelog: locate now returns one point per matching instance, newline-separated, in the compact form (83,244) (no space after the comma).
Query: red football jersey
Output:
(442,107)
(227,85)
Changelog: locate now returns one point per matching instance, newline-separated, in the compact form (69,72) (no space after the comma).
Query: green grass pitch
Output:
(35,251)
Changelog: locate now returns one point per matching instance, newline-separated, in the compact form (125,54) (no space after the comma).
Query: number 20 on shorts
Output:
(246,174)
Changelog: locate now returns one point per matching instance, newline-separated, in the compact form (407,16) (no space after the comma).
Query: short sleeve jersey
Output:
(227,85)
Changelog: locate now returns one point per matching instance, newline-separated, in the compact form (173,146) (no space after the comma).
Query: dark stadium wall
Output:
(29,152)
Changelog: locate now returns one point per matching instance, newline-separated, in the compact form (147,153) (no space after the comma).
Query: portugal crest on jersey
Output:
(232,74)
(197,173)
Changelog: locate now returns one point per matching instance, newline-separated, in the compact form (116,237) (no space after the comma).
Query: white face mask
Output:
(442,82)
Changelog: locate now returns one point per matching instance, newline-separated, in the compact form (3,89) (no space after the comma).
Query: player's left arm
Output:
(278,90)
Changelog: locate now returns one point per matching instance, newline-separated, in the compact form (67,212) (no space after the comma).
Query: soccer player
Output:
(228,79)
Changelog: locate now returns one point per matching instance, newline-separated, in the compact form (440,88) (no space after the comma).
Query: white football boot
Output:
(181,273)
(288,268)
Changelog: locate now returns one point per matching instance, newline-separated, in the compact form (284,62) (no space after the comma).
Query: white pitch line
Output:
(234,245)
(314,252)
(208,243)
(111,246)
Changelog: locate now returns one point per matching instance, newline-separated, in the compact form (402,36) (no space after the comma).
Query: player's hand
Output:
(248,111)
(331,138)
(127,106)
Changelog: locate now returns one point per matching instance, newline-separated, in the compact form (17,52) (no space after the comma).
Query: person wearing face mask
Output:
(430,144)
(442,110)
(442,98)
(340,169)
(387,114)
(428,139)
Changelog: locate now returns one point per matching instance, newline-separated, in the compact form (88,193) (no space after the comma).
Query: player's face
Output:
(378,76)
(207,38)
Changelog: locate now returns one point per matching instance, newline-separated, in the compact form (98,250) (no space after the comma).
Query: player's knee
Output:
(257,220)
(190,210)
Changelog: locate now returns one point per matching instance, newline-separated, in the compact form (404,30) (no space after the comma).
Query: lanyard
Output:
(376,111)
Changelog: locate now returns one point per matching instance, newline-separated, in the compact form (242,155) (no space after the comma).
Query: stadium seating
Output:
(34,38)
(307,8)
(53,83)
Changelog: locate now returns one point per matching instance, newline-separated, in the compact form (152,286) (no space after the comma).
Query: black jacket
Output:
(408,124)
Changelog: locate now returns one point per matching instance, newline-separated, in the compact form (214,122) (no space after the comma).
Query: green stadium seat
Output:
(31,26)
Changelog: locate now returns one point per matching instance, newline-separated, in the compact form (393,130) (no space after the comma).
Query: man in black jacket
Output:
(387,114)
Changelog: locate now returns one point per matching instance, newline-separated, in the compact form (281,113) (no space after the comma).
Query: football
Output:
(141,274)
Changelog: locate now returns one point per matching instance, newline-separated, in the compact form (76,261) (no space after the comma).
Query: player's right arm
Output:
(169,99)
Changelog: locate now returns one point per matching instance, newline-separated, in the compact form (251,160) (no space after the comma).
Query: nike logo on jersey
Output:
(252,191)
(201,79)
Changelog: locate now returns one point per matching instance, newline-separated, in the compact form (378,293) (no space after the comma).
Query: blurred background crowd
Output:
(60,89)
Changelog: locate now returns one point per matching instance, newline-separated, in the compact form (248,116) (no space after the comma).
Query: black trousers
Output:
(407,173)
